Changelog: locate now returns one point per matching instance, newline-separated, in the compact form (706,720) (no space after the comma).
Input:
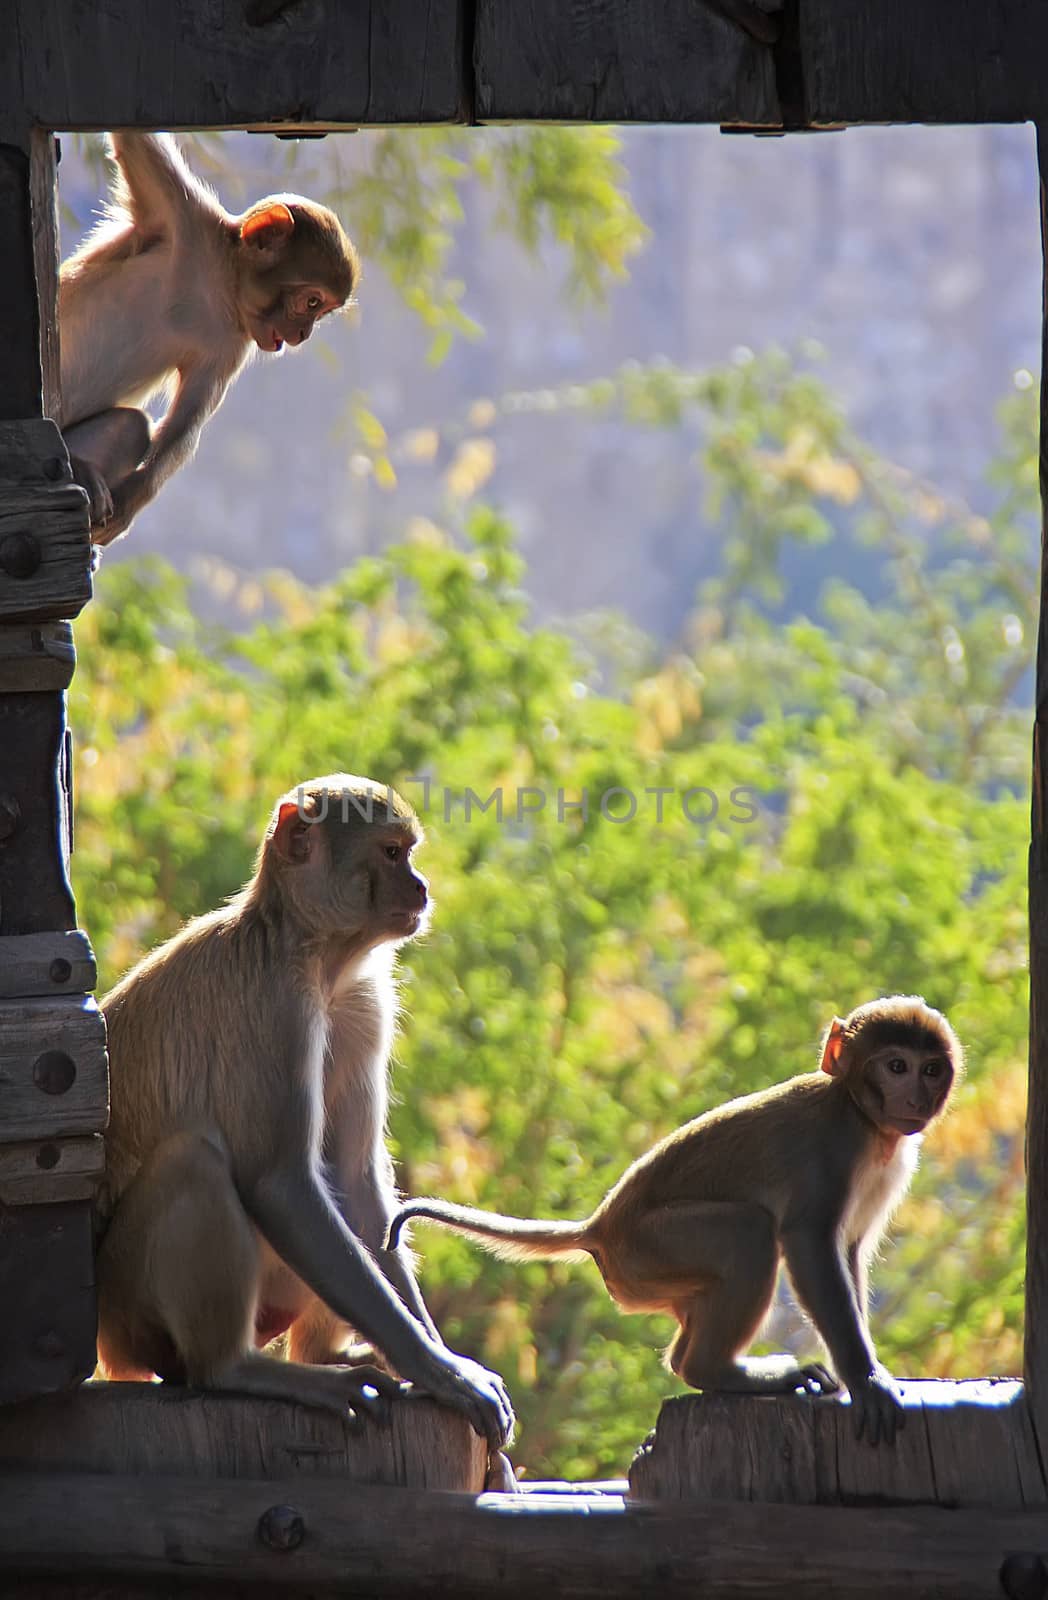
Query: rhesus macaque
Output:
(249,1187)
(807,1172)
(172,292)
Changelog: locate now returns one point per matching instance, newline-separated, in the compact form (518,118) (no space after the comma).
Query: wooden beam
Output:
(143,1429)
(381,1543)
(843,61)
(963,1444)
(147,63)
(1036,1349)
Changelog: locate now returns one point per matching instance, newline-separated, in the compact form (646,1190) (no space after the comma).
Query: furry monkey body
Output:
(172,292)
(249,1186)
(806,1173)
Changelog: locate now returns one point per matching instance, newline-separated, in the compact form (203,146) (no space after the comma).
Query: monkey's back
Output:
(745,1150)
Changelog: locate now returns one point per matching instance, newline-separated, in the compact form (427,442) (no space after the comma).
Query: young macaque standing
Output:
(249,1188)
(807,1172)
(172,292)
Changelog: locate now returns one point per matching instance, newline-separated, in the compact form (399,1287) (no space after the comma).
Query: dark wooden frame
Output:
(309,65)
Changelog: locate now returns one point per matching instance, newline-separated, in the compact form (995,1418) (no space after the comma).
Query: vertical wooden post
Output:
(1036,1352)
(53,1089)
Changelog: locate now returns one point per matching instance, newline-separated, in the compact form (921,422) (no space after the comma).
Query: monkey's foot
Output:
(771,1375)
(501,1478)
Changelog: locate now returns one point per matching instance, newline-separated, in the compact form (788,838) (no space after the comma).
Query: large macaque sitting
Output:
(172,292)
(249,1188)
(807,1172)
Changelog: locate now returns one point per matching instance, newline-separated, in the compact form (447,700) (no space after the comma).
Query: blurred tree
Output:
(700,856)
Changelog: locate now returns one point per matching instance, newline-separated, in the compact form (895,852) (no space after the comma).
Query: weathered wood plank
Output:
(43,199)
(34,815)
(1035,1360)
(45,546)
(34,964)
(317,63)
(599,61)
(861,60)
(143,1428)
(21,393)
(36,656)
(51,1170)
(379,1542)
(53,1069)
(47,1332)
(963,1445)
(940,61)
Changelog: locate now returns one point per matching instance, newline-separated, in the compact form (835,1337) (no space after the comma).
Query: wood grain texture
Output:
(47,1291)
(45,546)
(36,656)
(602,61)
(43,206)
(963,1445)
(142,1428)
(21,392)
(1035,1358)
(317,63)
(37,964)
(50,1170)
(34,815)
(54,1078)
(380,1543)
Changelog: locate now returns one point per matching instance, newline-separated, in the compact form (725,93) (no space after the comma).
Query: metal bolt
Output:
(54,468)
(54,1072)
(10,816)
(60,970)
(50,1344)
(1024,1577)
(48,1156)
(20,555)
(282,1528)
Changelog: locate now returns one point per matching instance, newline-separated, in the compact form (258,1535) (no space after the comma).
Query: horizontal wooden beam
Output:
(963,1444)
(231,63)
(837,62)
(381,1543)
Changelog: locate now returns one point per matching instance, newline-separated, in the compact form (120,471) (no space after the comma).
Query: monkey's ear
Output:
(832,1047)
(292,833)
(267,228)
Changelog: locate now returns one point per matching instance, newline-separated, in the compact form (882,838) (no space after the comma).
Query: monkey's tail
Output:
(512,1238)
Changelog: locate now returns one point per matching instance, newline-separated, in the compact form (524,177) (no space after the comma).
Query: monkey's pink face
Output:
(399,894)
(903,1088)
(290,318)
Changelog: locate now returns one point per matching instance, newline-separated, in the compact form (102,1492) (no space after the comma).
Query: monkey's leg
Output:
(103,450)
(719,1262)
(178,1277)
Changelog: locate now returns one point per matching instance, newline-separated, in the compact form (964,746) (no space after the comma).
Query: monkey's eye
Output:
(933,1069)
(394,852)
(897,1065)
(313,303)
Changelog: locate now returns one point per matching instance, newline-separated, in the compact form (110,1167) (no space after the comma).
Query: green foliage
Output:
(589,983)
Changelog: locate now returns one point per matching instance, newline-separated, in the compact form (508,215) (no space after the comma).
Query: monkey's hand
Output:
(775,1375)
(99,499)
(877,1404)
(128,498)
(369,1392)
(468,1387)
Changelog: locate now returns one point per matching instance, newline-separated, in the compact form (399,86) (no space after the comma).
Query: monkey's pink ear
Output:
(832,1047)
(291,836)
(267,227)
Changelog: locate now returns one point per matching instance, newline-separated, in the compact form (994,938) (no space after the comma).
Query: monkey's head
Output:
(295,264)
(899,1060)
(337,853)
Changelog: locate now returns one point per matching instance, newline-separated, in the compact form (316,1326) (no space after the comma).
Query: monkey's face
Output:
(373,895)
(902,1087)
(289,318)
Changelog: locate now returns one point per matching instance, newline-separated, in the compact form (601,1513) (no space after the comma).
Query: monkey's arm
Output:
(200,391)
(155,181)
(820,1276)
(859,1272)
(292,1209)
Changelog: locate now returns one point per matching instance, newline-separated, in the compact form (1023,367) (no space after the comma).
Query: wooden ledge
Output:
(963,1444)
(139,1429)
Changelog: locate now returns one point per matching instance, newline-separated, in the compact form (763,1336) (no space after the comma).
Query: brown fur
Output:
(249,1186)
(809,1170)
(172,293)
